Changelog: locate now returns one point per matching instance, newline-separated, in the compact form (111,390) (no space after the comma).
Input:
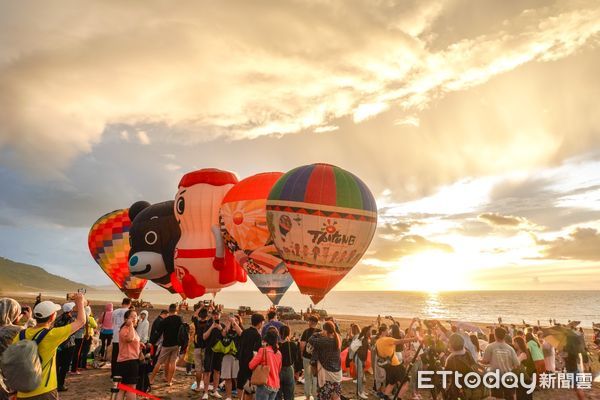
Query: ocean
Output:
(477,306)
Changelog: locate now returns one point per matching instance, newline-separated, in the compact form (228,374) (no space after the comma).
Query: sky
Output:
(475,124)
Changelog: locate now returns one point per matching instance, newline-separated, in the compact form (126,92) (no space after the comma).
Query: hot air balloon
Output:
(244,228)
(322,219)
(108,242)
(201,263)
(153,235)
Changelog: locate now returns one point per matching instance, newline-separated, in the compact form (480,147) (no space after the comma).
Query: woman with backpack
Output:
(228,347)
(128,359)
(106,329)
(289,356)
(270,356)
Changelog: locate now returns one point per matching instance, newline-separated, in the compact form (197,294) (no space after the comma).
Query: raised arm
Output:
(80,321)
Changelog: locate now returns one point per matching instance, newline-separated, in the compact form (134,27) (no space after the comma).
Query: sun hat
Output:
(45,309)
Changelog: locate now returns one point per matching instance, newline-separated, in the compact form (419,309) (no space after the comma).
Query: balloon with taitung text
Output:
(244,226)
(322,220)
(202,263)
(108,242)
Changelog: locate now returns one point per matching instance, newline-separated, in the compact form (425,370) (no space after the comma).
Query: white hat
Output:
(45,309)
(88,310)
(68,307)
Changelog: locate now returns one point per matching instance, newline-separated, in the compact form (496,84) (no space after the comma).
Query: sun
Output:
(430,271)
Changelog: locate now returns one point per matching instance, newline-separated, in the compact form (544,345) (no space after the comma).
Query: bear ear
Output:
(136,208)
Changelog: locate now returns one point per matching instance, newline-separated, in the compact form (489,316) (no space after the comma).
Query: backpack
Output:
(21,363)
(354,346)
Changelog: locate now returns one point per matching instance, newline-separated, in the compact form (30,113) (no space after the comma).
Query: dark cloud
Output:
(580,244)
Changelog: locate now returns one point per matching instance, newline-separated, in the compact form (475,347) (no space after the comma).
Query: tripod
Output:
(405,378)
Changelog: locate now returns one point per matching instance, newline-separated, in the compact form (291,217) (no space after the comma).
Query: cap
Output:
(45,309)
(68,307)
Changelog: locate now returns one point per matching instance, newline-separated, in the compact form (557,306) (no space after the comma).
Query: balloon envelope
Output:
(201,263)
(108,242)
(322,219)
(244,227)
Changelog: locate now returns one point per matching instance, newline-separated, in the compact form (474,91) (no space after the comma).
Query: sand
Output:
(96,383)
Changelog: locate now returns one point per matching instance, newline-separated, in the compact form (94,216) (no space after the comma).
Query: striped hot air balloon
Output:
(322,219)
(243,218)
(108,242)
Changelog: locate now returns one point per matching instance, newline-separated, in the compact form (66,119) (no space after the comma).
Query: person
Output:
(89,330)
(143,327)
(227,346)
(549,353)
(10,311)
(289,354)
(386,350)
(536,353)
(45,315)
(360,360)
(501,357)
(310,382)
(250,342)
(272,355)
(272,321)
(154,336)
(327,362)
(199,319)
(26,318)
(212,360)
(189,351)
(75,360)
(169,329)
(460,360)
(527,366)
(118,317)
(129,355)
(67,347)
(573,359)
(106,329)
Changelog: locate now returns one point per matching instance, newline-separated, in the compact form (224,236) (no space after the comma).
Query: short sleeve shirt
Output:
(47,351)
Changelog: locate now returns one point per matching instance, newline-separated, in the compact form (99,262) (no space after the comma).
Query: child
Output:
(189,353)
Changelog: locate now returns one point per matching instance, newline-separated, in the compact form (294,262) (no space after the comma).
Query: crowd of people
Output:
(264,359)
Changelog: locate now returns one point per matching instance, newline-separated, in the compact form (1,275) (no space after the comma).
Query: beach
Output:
(96,383)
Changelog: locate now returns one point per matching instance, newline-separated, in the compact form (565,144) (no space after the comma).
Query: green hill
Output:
(19,277)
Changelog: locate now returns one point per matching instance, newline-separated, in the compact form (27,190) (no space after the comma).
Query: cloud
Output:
(505,221)
(580,244)
(143,138)
(64,80)
(389,250)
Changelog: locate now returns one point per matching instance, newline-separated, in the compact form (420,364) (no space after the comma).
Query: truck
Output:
(287,313)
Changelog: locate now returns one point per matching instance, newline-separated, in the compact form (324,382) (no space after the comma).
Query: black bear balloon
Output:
(153,235)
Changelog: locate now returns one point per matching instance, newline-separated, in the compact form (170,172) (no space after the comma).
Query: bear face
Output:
(153,234)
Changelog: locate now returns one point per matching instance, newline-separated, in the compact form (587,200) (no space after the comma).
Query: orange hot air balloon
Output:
(247,236)
(108,242)
(322,219)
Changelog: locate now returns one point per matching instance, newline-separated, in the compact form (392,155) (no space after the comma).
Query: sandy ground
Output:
(96,383)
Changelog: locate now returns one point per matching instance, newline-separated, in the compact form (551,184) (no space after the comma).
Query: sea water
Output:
(477,306)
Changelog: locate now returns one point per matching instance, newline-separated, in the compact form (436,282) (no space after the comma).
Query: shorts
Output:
(229,367)
(128,371)
(394,374)
(212,361)
(168,354)
(199,358)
